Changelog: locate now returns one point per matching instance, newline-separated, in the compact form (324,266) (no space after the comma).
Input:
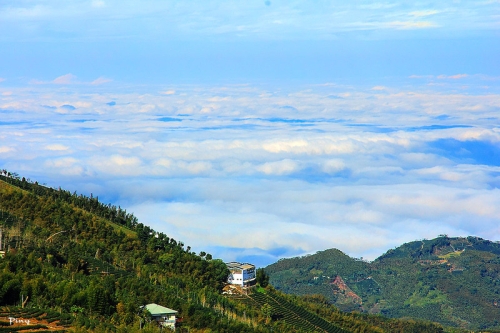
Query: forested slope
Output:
(75,264)
(75,255)
(454,281)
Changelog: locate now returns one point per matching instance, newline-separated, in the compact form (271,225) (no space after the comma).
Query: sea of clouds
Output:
(256,172)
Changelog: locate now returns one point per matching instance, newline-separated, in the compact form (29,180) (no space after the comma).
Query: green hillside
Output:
(73,264)
(97,264)
(454,281)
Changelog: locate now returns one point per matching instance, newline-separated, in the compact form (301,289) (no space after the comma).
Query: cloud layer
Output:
(248,171)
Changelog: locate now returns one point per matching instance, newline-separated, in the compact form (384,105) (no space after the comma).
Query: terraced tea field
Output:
(292,314)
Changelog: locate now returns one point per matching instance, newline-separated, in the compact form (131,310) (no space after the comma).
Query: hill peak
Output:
(451,280)
(440,246)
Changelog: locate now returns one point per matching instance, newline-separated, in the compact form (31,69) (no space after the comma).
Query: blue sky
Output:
(262,129)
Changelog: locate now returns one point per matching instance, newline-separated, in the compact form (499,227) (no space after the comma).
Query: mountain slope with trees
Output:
(83,266)
(454,281)
(61,256)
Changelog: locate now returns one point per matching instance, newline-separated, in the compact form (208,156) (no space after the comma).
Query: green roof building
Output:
(165,317)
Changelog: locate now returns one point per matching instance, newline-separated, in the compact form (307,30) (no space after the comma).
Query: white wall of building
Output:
(242,276)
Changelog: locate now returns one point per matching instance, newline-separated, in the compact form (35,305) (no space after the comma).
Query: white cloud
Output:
(61,162)
(65,79)
(115,164)
(421,76)
(100,80)
(286,146)
(56,147)
(124,161)
(70,79)
(164,162)
(147,108)
(333,166)
(283,167)
(423,13)
(453,77)
(67,166)
(12,105)
(5,149)
(407,25)
(195,167)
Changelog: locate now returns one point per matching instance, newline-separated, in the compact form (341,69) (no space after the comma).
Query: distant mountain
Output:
(453,281)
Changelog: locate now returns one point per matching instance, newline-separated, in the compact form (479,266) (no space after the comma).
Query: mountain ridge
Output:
(451,280)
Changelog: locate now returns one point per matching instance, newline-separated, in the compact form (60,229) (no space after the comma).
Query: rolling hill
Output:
(453,281)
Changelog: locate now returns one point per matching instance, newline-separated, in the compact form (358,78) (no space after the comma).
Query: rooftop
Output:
(238,265)
(157,310)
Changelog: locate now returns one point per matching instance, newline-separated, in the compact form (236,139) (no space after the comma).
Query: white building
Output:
(241,274)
